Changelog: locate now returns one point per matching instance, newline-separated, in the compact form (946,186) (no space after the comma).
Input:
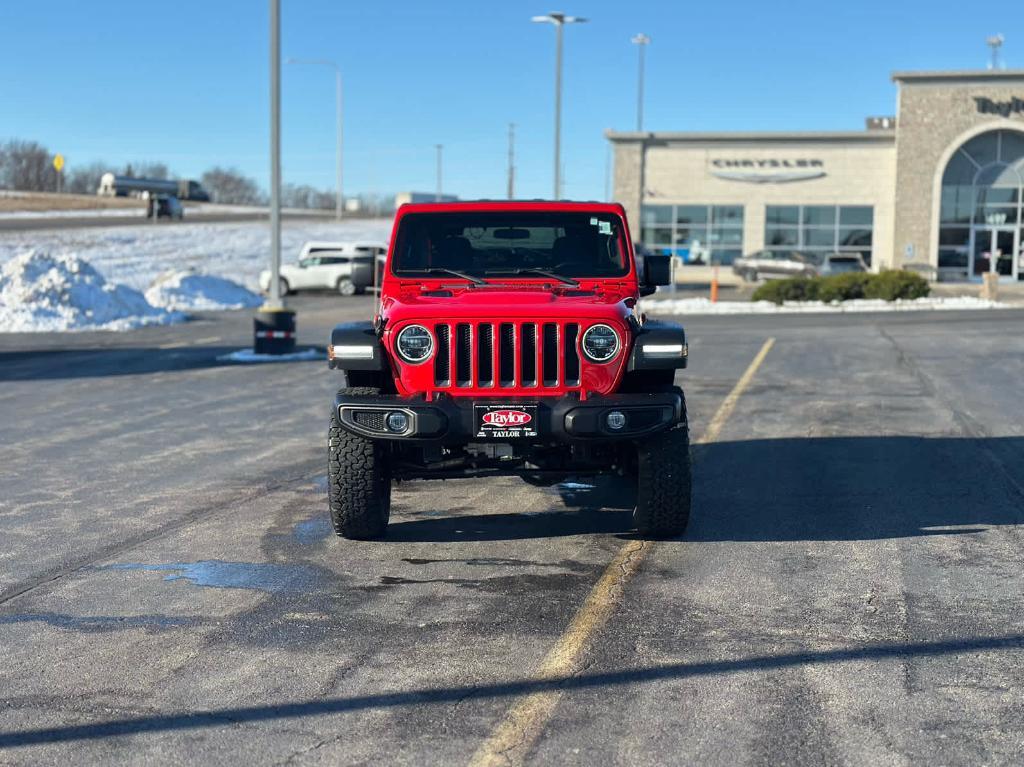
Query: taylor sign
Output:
(766,170)
(1013,106)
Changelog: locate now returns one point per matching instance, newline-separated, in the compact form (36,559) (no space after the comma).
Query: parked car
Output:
(346,267)
(840,263)
(775,263)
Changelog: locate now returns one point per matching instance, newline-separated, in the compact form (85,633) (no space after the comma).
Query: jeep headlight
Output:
(415,344)
(600,343)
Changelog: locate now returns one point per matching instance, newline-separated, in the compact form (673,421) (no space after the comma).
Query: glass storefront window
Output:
(654,215)
(786,215)
(697,233)
(822,228)
(819,215)
(692,214)
(949,235)
(856,215)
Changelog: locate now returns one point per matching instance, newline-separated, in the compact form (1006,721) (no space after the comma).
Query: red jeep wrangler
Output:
(508,341)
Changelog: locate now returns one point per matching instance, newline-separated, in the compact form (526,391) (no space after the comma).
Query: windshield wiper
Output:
(452,272)
(542,272)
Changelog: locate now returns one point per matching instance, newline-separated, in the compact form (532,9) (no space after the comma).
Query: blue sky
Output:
(186,82)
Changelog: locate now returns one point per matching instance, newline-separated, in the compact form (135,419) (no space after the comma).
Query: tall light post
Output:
(275,154)
(339,199)
(559,20)
(641,41)
(438,193)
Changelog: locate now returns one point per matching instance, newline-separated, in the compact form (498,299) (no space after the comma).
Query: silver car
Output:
(840,263)
(775,263)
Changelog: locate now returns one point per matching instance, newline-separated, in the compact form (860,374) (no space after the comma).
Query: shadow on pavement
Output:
(296,710)
(855,488)
(56,364)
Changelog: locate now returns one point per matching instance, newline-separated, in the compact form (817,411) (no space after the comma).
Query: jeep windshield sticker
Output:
(605,227)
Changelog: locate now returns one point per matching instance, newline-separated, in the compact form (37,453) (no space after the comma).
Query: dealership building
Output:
(938,187)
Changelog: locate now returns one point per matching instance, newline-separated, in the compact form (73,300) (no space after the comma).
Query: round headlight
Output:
(600,343)
(415,344)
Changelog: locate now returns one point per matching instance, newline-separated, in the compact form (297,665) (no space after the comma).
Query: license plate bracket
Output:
(504,421)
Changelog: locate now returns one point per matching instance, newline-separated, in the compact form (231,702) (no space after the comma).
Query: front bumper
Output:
(450,420)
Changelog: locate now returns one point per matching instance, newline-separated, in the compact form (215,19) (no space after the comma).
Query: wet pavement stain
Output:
(312,531)
(215,573)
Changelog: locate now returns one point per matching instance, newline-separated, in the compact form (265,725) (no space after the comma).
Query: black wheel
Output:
(664,483)
(346,287)
(358,480)
(282,286)
(750,275)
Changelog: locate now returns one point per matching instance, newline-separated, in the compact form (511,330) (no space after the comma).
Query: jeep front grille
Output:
(506,355)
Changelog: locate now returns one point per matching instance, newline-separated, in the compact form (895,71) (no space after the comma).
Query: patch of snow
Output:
(704,306)
(189,290)
(248,355)
(137,255)
(41,292)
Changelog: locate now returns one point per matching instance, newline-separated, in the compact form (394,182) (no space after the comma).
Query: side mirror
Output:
(657,270)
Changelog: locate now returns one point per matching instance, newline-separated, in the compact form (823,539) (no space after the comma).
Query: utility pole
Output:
(275,154)
(511,161)
(440,150)
(641,41)
(559,20)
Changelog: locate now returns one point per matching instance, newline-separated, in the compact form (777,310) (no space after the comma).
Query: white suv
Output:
(346,267)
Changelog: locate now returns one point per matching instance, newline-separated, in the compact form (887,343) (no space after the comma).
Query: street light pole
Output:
(511,161)
(440,150)
(641,41)
(275,154)
(339,198)
(559,20)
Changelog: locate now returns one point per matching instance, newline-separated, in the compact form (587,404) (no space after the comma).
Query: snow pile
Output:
(704,306)
(189,290)
(42,292)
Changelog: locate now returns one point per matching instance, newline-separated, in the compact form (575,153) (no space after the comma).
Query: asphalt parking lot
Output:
(849,590)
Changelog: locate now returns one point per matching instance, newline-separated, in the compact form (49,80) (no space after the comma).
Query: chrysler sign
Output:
(766,171)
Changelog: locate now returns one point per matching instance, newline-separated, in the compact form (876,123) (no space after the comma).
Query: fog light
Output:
(615,420)
(398,421)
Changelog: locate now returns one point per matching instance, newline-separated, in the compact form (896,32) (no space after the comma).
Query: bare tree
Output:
(27,166)
(147,169)
(85,179)
(228,185)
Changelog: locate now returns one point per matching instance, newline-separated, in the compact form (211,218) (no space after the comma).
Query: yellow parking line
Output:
(512,739)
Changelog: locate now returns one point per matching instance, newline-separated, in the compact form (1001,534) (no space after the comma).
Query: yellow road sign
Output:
(58,162)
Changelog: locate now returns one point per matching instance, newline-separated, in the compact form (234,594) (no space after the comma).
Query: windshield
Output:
(511,243)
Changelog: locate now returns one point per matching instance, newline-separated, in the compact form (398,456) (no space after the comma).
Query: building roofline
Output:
(865,136)
(961,74)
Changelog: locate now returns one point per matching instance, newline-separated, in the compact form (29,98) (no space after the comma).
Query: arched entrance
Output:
(981,224)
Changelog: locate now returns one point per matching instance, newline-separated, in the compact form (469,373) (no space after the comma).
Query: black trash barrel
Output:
(274,331)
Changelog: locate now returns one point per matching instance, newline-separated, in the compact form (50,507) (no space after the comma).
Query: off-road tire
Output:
(664,483)
(346,287)
(358,480)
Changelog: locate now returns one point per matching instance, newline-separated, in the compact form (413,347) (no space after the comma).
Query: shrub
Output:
(891,285)
(843,287)
(888,285)
(795,289)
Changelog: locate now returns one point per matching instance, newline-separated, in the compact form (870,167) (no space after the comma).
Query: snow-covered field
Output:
(118,278)
(704,306)
(137,255)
